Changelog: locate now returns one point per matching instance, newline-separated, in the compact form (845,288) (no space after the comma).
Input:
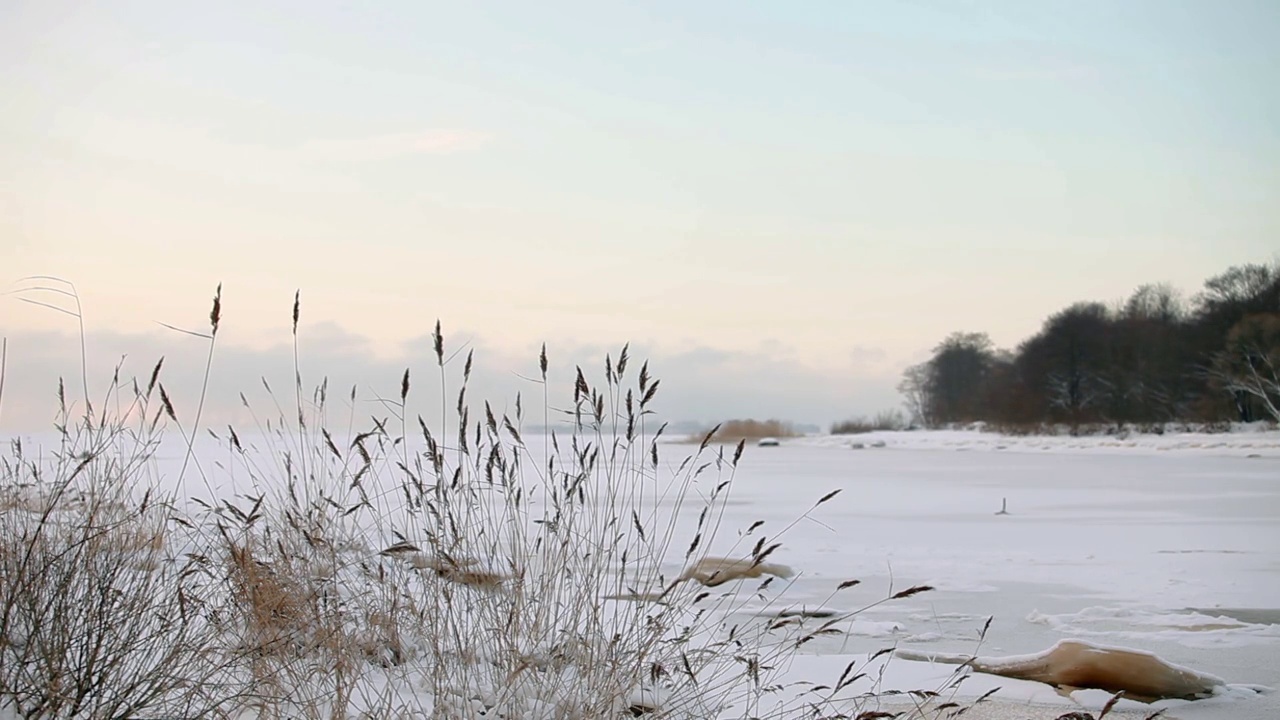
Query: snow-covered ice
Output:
(1162,543)
(1168,544)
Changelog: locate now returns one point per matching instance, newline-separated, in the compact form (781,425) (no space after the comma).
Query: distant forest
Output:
(1155,358)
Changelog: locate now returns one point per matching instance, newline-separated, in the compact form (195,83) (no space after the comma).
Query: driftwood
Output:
(1072,664)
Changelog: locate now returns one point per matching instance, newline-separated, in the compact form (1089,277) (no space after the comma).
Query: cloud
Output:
(864,357)
(378,147)
(698,383)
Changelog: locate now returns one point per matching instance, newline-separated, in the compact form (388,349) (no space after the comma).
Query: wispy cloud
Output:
(378,147)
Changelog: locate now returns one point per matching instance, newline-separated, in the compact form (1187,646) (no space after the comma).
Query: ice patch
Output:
(873,628)
(962,586)
(1191,629)
(948,617)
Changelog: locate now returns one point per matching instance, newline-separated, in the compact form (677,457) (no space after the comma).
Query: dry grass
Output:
(452,568)
(278,606)
(97,617)
(733,431)
(885,420)
(716,571)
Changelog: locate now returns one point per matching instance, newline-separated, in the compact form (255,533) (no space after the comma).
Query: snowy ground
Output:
(1168,544)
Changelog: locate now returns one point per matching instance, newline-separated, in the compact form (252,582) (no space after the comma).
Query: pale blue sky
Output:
(824,187)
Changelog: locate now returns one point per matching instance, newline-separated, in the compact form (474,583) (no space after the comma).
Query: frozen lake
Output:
(1172,549)
(1166,544)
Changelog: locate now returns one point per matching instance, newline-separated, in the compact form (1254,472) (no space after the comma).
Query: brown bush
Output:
(732,431)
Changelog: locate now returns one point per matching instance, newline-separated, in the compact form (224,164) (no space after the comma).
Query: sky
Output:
(779,205)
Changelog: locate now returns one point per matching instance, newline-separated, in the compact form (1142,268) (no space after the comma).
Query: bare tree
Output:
(917,391)
(959,371)
(1159,302)
(1068,360)
(1249,366)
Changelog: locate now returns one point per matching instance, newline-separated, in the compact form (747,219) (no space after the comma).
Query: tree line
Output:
(1156,357)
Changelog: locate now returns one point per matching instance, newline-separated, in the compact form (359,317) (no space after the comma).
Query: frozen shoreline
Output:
(1257,439)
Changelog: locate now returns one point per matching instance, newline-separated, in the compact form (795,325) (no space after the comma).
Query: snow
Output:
(1168,544)
(1112,541)
(1243,439)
